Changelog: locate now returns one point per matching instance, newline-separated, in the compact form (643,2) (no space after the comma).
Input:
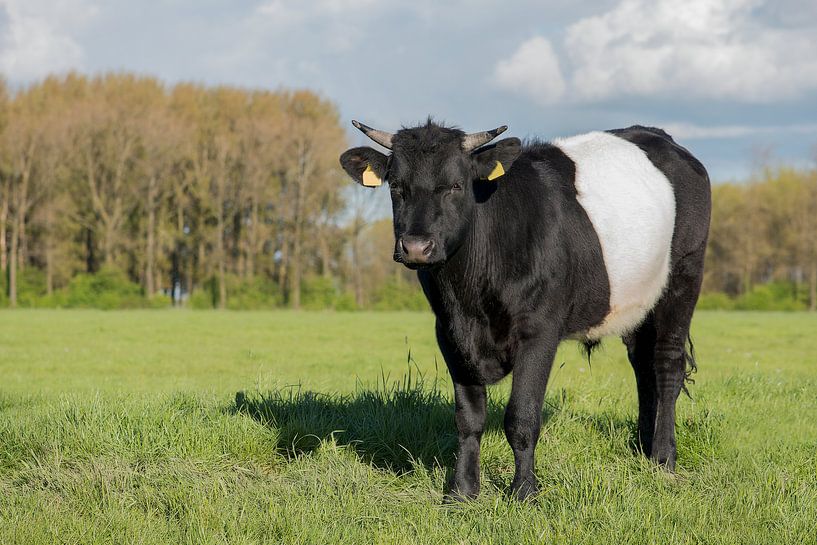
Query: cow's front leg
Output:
(470,417)
(523,416)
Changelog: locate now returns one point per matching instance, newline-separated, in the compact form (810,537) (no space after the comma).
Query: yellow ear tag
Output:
(496,172)
(370,179)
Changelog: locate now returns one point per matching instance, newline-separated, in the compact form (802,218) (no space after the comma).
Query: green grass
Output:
(282,427)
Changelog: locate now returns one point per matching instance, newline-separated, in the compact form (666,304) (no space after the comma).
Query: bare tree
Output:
(22,141)
(190,182)
(159,138)
(316,138)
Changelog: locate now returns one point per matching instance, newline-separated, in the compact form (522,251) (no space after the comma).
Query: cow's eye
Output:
(456,187)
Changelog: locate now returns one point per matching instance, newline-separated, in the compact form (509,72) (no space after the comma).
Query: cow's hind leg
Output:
(641,352)
(672,316)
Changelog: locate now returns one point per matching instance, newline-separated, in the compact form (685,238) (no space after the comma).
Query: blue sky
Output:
(734,80)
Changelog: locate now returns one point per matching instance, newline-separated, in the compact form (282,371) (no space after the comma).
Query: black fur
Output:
(515,267)
(664,357)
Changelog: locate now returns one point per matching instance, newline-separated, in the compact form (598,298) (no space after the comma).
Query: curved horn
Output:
(474,140)
(381,137)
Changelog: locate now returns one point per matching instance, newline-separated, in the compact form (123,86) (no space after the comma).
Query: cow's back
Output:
(631,205)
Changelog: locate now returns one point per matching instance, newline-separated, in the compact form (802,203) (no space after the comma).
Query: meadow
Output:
(162,426)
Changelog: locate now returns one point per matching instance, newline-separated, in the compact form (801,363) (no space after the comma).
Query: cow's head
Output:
(437,175)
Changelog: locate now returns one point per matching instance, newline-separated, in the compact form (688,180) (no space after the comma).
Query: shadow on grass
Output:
(395,426)
(401,424)
(698,435)
(614,427)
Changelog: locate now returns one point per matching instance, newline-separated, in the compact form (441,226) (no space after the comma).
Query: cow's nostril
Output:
(416,249)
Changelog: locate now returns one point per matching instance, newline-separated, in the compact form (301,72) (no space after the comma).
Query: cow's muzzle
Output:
(417,250)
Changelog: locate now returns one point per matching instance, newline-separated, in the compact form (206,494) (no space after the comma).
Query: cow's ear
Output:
(495,160)
(365,165)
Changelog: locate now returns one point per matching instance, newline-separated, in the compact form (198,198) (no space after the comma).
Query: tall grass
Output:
(359,453)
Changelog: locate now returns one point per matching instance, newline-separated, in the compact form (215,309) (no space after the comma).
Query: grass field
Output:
(282,427)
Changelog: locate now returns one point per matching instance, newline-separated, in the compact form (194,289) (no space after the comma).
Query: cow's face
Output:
(435,183)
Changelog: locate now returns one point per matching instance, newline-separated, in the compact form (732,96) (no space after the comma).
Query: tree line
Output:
(220,192)
(118,190)
(763,241)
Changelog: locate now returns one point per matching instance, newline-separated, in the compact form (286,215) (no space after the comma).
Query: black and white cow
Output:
(520,247)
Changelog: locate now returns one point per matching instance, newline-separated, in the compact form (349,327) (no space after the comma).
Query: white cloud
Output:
(689,131)
(336,19)
(696,49)
(287,12)
(533,71)
(35,36)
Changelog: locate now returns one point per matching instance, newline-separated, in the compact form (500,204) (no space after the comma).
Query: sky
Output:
(735,81)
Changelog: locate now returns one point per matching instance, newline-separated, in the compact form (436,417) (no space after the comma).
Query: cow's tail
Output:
(588,347)
(690,365)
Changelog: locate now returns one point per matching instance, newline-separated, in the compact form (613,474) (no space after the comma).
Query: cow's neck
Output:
(479,269)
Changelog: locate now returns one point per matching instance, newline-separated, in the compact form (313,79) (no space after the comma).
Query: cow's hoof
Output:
(460,488)
(459,494)
(664,460)
(453,498)
(523,489)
